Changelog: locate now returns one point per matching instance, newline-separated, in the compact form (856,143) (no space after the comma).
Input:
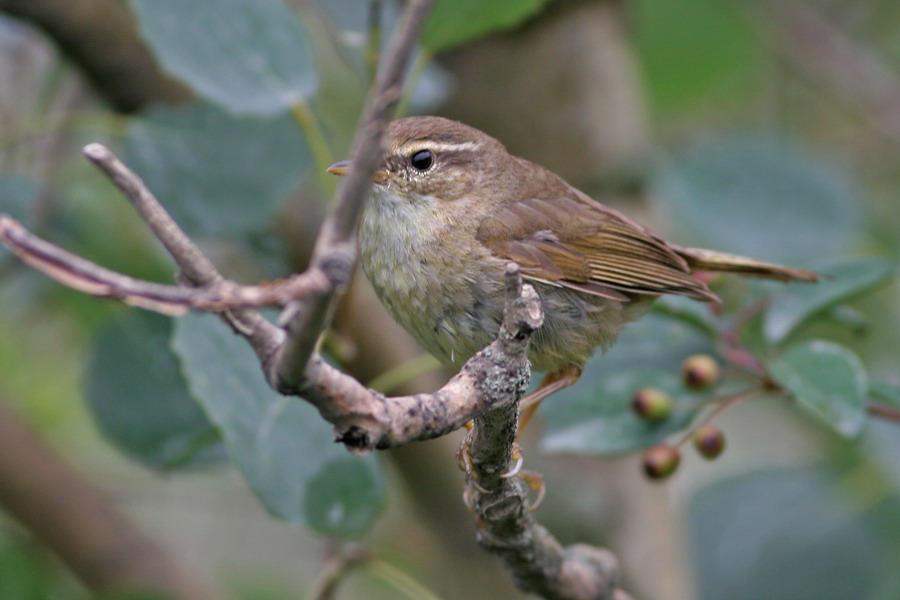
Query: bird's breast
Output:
(441,289)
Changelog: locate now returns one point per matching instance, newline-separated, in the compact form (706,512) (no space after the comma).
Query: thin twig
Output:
(192,262)
(335,251)
(88,277)
(336,569)
(722,405)
(196,268)
(885,412)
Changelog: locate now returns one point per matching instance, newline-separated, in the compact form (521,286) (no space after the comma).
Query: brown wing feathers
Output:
(586,248)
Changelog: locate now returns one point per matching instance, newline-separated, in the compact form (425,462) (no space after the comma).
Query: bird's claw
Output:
(516,455)
(535,481)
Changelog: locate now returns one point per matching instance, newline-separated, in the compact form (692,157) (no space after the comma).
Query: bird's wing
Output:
(582,245)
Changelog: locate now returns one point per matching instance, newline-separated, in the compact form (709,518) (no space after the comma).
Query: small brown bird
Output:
(451,207)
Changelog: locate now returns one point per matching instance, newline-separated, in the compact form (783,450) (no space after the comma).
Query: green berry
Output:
(651,404)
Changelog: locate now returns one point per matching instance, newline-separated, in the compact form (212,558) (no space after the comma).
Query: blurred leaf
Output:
(696,52)
(754,194)
(17,196)
(606,424)
(827,379)
(216,173)
(429,87)
(140,398)
(687,310)
(281,445)
(595,416)
(781,535)
(344,81)
(352,16)
(847,316)
(250,57)
(792,305)
(454,22)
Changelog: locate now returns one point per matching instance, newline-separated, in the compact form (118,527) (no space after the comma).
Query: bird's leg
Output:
(552,383)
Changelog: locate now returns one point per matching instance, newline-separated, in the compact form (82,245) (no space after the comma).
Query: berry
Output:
(700,372)
(661,461)
(709,441)
(651,404)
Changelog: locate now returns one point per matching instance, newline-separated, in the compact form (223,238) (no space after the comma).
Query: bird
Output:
(450,207)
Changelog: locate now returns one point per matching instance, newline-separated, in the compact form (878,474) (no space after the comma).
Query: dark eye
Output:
(422,160)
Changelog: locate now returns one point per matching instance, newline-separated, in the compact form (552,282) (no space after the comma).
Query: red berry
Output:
(709,441)
(661,461)
(700,372)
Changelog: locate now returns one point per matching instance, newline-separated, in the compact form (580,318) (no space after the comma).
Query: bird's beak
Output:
(342,167)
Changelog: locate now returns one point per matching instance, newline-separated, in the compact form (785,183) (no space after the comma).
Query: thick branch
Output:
(496,376)
(101,37)
(99,544)
(507,527)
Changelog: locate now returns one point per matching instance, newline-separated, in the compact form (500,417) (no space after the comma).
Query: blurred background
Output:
(770,128)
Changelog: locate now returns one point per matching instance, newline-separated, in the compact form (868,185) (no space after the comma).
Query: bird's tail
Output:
(711,260)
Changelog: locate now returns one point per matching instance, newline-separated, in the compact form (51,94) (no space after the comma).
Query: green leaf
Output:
(827,379)
(250,57)
(216,173)
(595,416)
(281,445)
(793,305)
(687,310)
(782,535)
(754,194)
(606,424)
(455,22)
(141,401)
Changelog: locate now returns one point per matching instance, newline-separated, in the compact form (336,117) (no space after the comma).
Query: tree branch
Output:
(538,563)
(334,254)
(101,37)
(99,544)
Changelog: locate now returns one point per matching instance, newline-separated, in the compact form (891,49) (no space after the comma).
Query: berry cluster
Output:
(698,373)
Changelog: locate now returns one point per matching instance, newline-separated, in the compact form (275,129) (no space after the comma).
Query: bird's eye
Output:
(422,160)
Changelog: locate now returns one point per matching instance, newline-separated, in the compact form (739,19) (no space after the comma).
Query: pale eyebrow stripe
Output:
(411,147)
